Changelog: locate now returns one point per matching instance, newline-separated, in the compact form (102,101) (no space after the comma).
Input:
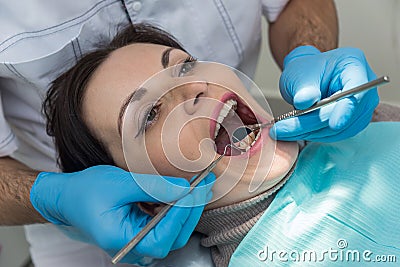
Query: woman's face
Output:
(169,124)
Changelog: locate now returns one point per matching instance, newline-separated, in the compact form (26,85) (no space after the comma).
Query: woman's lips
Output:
(262,139)
(217,111)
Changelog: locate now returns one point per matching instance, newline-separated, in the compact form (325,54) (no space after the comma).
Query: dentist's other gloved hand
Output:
(99,202)
(309,76)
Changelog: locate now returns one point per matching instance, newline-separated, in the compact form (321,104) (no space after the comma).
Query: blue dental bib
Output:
(341,207)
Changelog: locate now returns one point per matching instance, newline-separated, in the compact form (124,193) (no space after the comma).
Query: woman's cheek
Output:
(285,156)
(154,151)
(166,164)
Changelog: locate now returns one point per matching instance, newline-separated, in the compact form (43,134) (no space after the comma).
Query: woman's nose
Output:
(193,95)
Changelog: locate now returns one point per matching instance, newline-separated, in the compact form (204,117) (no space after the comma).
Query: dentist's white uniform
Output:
(40,39)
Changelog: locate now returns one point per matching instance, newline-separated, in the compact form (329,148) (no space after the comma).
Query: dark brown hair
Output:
(77,147)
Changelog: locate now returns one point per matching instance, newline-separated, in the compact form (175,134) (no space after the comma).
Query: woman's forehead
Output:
(142,53)
(125,70)
(134,64)
(138,54)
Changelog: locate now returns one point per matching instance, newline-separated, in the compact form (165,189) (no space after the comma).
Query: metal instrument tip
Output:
(226,149)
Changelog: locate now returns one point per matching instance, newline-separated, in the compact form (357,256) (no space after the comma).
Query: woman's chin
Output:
(235,184)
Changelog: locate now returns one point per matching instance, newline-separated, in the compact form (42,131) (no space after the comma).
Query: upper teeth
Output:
(228,109)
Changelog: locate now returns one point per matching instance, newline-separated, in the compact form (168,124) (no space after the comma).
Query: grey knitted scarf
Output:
(225,227)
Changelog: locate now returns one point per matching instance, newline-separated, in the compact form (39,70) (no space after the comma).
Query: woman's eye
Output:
(187,66)
(149,117)
(152,116)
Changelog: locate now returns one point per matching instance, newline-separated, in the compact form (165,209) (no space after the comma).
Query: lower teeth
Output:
(247,142)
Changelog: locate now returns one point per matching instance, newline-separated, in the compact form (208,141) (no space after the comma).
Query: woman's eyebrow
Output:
(136,95)
(165,57)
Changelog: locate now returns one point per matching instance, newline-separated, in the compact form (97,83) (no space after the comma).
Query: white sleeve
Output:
(272,8)
(8,141)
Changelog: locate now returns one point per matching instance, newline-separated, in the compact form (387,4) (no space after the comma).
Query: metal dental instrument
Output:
(156,219)
(241,132)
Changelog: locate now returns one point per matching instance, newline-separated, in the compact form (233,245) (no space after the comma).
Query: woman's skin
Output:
(176,131)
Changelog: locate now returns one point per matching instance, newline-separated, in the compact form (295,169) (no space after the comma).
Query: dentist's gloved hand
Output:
(100,203)
(309,76)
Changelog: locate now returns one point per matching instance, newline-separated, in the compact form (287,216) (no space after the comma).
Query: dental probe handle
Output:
(157,218)
(205,172)
(327,101)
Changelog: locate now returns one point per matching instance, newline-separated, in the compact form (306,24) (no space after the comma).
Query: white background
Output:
(371,25)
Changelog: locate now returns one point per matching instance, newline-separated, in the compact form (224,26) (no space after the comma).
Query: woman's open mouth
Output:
(231,114)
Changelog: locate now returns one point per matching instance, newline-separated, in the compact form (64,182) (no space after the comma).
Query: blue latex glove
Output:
(309,76)
(99,202)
